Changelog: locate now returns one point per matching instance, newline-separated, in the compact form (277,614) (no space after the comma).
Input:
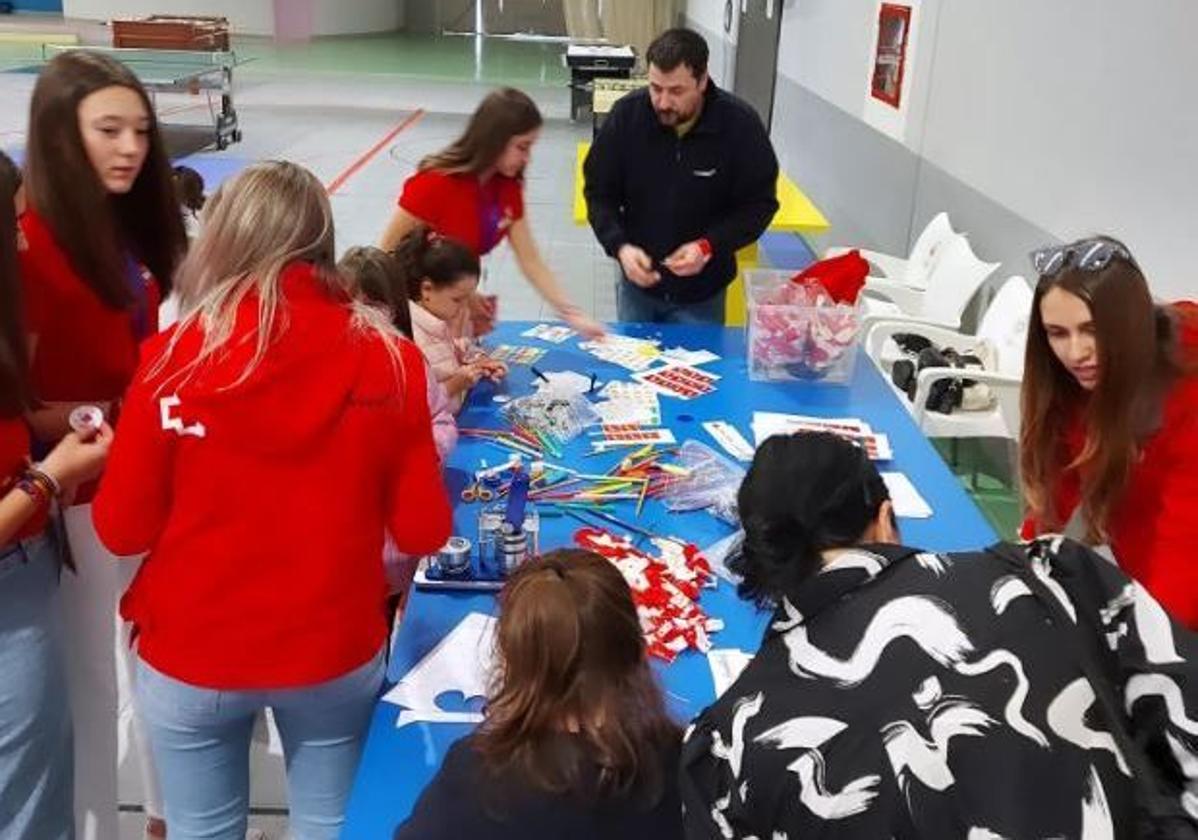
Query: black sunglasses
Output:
(1086,254)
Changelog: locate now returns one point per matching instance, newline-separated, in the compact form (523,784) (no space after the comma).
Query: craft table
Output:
(399,762)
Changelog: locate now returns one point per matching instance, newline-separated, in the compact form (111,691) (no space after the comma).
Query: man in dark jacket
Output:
(680,177)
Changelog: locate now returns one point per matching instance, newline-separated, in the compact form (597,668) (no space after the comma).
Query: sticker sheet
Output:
(682,381)
(629,435)
(630,353)
(629,403)
(512,354)
(553,333)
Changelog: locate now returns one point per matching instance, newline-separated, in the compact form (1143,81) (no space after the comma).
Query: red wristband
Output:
(704,246)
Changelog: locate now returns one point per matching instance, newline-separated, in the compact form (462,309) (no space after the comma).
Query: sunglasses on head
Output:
(1087,255)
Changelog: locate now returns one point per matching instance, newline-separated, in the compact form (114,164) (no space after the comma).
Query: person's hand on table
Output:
(638,266)
(582,323)
(489,368)
(688,260)
(464,378)
(483,312)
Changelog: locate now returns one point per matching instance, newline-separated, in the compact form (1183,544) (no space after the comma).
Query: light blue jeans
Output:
(200,739)
(36,747)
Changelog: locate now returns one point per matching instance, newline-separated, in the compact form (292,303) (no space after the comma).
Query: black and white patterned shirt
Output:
(902,694)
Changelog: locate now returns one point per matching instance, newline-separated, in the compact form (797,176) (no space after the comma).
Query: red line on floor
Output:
(338,182)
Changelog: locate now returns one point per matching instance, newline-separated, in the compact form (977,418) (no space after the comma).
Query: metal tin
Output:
(453,560)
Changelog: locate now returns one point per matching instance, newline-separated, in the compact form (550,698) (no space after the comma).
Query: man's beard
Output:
(671,117)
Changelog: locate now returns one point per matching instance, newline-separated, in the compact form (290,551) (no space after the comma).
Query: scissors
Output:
(477,492)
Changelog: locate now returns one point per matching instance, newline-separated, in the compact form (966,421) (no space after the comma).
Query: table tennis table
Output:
(179,71)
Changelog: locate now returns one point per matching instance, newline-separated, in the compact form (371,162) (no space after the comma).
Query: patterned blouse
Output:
(902,694)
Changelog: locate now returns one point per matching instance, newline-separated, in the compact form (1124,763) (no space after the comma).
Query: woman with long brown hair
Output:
(103,234)
(473,191)
(576,741)
(1109,440)
(36,784)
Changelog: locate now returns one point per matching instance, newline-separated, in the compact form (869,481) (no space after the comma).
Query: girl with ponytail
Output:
(441,275)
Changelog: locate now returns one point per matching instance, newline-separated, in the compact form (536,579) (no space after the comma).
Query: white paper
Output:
(690,357)
(730,439)
(630,353)
(460,662)
(726,665)
(563,382)
(907,501)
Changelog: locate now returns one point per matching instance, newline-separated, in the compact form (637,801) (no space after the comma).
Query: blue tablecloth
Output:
(397,763)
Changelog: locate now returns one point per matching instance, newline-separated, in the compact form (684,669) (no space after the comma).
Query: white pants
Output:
(99,673)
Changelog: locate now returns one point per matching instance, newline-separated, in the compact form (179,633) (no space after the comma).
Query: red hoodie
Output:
(1152,528)
(263,504)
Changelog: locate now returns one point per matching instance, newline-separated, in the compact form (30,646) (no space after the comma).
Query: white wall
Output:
(708,17)
(827,47)
(1075,115)
(1078,115)
(339,17)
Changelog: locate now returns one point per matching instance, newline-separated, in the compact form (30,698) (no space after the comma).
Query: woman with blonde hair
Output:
(268,442)
(576,741)
(472,191)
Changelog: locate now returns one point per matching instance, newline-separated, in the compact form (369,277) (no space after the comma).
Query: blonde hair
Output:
(270,215)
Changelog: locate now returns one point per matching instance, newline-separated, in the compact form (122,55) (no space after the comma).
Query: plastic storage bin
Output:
(791,339)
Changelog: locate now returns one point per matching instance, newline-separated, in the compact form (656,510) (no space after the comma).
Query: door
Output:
(757,53)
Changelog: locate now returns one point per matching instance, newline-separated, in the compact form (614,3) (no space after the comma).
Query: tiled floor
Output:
(325,104)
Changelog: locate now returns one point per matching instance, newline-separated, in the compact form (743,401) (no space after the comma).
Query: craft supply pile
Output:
(598,439)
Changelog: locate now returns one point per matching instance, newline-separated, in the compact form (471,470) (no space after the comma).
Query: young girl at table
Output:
(102,236)
(440,275)
(576,741)
(36,748)
(267,443)
(1109,441)
(378,277)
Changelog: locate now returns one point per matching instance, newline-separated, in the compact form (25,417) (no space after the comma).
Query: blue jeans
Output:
(633,305)
(200,739)
(36,747)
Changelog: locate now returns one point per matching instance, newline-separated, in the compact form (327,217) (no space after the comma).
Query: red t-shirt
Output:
(1151,529)
(14,450)
(86,350)
(459,207)
(263,503)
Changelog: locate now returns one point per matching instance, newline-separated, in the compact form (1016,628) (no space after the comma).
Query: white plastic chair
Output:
(912,269)
(1004,326)
(956,275)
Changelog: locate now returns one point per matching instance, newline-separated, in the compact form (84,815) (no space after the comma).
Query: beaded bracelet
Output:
(35,489)
(50,481)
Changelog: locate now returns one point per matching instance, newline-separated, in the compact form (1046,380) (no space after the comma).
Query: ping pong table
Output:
(179,71)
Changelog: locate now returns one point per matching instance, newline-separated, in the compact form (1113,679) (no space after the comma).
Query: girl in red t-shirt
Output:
(102,235)
(35,714)
(1109,438)
(473,191)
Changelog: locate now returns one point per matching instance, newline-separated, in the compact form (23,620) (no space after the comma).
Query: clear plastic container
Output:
(788,341)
